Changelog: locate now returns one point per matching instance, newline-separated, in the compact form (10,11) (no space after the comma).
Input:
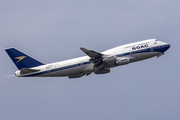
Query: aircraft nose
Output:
(167,46)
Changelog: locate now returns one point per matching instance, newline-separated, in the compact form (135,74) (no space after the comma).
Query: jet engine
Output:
(109,59)
(122,61)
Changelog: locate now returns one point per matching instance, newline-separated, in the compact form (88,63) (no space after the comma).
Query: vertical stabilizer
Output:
(22,60)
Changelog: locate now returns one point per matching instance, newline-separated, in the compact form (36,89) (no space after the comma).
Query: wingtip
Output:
(82,48)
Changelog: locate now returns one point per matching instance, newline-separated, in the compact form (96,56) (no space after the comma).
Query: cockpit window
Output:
(156,40)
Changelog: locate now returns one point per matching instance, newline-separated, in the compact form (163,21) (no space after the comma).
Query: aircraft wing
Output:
(91,53)
(96,59)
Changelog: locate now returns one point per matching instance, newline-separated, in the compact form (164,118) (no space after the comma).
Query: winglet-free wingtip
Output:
(83,49)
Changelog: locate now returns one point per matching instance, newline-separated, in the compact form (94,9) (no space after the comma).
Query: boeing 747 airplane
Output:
(94,62)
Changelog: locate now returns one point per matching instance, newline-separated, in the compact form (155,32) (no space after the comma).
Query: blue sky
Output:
(51,31)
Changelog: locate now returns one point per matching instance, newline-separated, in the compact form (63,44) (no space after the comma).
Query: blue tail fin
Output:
(22,60)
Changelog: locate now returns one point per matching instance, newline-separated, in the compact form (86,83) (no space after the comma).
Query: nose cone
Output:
(163,46)
(167,46)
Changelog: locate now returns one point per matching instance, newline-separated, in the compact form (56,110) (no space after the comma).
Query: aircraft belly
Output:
(143,56)
(67,72)
(70,71)
(89,68)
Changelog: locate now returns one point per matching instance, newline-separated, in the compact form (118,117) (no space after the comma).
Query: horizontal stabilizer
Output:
(91,53)
(28,70)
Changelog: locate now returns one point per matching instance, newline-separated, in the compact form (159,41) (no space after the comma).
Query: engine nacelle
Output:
(103,71)
(122,61)
(109,59)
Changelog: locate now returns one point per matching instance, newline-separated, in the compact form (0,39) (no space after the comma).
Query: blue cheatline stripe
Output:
(155,49)
(58,69)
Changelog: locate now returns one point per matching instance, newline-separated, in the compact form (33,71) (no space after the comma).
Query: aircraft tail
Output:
(22,60)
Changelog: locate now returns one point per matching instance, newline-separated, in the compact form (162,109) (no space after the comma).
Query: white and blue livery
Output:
(94,62)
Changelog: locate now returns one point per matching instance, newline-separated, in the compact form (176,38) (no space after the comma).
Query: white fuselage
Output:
(134,51)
